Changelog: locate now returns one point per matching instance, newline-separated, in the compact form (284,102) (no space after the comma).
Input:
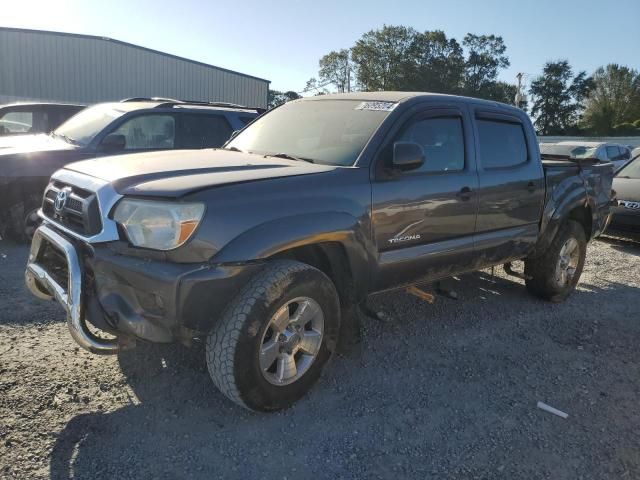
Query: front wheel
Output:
(274,339)
(24,219)
(554,275)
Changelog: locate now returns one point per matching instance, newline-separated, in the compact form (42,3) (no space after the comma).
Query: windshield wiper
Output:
(233,149)
(65,138)
(289,157)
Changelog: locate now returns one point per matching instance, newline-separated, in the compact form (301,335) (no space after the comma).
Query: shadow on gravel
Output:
(628,245)
(491,355)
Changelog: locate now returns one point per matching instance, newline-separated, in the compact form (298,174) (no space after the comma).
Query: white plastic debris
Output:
(550,409)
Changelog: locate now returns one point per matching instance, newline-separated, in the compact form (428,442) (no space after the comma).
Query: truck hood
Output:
(32,143)
(175,173)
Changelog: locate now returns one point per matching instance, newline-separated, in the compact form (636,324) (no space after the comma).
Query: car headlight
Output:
(156,224)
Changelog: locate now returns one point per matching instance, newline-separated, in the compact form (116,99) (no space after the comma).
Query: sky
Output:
(282,40)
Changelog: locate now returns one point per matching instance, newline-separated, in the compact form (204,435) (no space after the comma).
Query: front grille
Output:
(79,213)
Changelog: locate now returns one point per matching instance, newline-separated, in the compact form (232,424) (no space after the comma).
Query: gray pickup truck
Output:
(266,247)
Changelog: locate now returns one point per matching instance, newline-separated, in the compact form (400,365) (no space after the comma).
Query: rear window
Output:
(203,131)
(502,144)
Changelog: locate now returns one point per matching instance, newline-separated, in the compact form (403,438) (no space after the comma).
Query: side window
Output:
(148,132)
(16,122)
(625,153)
(442,140)
(502,144)
(612,152)
(202,131)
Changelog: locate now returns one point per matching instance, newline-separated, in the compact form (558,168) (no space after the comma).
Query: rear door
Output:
(424,220)
(512,188)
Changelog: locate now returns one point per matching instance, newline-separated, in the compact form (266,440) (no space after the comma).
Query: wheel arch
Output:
(333,242)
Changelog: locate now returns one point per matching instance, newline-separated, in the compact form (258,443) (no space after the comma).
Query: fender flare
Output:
(279,235)
(553,218)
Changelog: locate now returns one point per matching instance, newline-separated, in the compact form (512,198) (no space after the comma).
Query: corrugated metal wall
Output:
(50,66)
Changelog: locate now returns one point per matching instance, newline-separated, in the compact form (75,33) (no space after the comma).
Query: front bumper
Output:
(46,285)
(625,220)
(131,297)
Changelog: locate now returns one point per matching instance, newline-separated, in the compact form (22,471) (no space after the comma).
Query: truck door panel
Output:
(424,220)
(511,187)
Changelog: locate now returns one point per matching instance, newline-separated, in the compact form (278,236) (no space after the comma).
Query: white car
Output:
(615,153)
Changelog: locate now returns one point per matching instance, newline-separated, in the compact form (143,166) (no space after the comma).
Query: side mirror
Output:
(407,156)
(113,142)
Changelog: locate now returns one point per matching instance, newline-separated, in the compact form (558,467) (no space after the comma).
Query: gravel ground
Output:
(438,391)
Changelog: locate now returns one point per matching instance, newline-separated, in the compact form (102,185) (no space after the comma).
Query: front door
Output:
(424,219)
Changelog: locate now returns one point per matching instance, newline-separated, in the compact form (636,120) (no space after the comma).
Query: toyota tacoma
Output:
(266,247)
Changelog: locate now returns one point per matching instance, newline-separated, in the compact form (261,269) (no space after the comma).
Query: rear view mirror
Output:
(407,155)
(113,143)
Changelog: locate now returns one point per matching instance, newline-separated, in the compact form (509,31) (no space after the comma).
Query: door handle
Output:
(465,193)
(531,187)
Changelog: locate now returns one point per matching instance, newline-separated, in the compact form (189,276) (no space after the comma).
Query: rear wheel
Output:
(275,338)
(555,274)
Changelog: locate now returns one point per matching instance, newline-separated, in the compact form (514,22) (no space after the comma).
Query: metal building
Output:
(65,67)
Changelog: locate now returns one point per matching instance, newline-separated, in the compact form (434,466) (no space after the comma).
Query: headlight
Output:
(158,225)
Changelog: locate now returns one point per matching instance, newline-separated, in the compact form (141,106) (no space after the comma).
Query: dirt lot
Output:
(439,391)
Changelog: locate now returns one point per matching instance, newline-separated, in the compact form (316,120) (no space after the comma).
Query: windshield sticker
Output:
(379,106)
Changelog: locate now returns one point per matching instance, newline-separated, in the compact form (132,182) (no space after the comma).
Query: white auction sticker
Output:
(379,106)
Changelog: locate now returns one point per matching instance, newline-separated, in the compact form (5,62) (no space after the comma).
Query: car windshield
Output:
(85,125)
(632,170)
(574,151)
(331,132)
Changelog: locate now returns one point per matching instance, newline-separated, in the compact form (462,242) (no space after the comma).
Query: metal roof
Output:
(120,42)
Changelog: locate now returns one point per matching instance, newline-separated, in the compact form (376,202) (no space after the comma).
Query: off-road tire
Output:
(541,269)
(232,347)
(17,216)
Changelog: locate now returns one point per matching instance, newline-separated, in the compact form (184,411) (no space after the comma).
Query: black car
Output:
(626,215)
(132,125)
(29,118)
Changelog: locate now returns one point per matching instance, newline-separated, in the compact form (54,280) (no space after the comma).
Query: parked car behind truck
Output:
(31,118)
(625,218)
(619,155)
(265,247)
(133,125)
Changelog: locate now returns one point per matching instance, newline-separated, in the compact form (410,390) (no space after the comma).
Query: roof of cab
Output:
(397,97)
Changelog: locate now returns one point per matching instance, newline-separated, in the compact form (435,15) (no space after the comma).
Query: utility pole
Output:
(348,72)
(520,96)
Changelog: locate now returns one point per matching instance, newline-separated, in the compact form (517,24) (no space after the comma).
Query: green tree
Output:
(485,58)
(557,98)
(336,69)
(384,58)
(613,100)
(500,92)
(439,63)
(312,86)
(276,97)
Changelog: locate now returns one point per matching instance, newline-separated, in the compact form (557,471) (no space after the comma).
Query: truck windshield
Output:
(331,132)
(85,125)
